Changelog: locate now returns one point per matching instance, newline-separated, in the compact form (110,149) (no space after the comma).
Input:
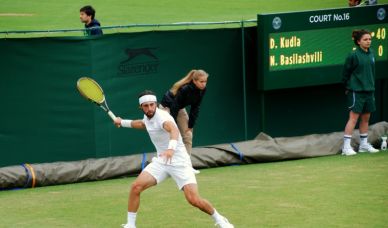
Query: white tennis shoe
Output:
(224,223)
(348,151)
(196,171)
(367,148)
(127,226)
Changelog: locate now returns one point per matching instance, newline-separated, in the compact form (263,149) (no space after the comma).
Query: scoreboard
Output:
(309,48)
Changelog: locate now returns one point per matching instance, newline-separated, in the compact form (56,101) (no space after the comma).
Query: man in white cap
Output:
(172,160)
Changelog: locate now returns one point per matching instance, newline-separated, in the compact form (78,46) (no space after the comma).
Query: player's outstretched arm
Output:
(138,124)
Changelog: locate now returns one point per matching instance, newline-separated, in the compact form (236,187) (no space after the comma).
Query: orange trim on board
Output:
(32,174)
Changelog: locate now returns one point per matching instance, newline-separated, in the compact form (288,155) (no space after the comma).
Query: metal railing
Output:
(144,27)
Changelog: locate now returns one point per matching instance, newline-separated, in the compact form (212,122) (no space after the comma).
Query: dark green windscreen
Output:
(43,117)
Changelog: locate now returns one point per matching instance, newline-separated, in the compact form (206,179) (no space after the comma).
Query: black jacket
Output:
(95,28)
(187,95)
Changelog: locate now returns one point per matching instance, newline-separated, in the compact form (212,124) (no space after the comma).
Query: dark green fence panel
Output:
(155,60)
(40,109)
(44,118)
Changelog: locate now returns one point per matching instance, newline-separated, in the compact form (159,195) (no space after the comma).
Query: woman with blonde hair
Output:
(188,91)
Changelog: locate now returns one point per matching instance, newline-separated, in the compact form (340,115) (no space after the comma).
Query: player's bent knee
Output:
(136,188)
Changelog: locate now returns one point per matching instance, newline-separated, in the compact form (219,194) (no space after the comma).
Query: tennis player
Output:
(172,160)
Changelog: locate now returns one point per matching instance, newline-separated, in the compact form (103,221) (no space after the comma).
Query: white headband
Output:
(147,98)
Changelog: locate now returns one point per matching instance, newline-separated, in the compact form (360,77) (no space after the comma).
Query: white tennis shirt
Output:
(160,138)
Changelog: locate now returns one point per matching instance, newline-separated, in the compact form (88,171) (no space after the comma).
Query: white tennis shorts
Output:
(182,175)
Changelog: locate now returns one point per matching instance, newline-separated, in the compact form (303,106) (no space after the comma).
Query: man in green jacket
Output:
(359,80)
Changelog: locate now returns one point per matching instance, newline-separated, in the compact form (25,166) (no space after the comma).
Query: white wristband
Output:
(126,123)
(172,144)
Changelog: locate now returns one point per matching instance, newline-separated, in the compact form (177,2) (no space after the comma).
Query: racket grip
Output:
(110,113)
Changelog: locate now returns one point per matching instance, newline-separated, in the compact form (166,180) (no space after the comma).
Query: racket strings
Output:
(91,90)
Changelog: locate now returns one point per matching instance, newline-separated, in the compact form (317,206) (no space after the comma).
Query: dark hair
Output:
(88,10)
(146,92)
(357,35)
(356,3)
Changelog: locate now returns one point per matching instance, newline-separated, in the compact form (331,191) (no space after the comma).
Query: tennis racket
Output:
(92,91)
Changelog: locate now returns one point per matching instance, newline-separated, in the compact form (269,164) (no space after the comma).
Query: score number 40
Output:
(380,35)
